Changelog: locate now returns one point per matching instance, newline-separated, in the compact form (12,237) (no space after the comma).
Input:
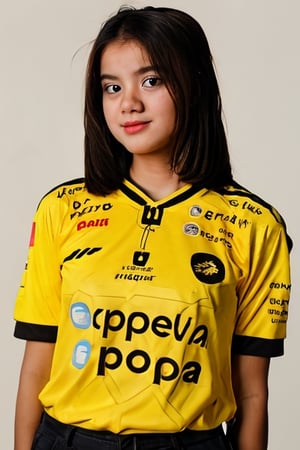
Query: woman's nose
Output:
(131,101)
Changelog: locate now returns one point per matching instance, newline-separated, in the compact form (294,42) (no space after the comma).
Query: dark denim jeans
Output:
(52,435)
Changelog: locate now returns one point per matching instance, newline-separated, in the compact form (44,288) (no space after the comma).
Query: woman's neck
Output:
(154,178)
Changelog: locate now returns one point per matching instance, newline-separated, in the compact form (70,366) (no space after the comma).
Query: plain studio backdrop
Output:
(44,47)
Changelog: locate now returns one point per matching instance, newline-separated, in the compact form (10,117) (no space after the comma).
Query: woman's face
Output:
(137,105)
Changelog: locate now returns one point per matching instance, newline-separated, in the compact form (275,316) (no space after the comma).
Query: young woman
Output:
(156,288)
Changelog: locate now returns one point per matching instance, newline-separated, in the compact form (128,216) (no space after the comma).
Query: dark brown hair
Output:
(177,46)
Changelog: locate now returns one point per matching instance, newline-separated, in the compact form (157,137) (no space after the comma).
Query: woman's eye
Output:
(112,88)
(151,82)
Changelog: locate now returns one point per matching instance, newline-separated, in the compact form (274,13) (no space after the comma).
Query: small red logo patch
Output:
(32,235)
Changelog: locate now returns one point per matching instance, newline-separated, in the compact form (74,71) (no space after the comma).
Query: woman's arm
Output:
(250,384)
(34,375)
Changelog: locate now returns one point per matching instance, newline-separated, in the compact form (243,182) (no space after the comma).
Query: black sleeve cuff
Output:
(253,346)
(34,332)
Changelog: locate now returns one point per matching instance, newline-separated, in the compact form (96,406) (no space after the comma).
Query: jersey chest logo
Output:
(207,268)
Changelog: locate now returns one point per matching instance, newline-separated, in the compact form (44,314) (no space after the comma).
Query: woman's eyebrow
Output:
(140,71)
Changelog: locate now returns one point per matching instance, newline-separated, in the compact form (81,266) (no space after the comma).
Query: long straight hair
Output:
(177,46)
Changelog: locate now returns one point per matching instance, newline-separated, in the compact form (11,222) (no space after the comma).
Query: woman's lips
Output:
(134,126)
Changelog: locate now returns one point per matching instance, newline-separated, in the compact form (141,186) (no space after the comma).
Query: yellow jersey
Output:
(147,299)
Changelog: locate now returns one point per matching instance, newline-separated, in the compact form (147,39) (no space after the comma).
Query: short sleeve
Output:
(264,293)
(37,307)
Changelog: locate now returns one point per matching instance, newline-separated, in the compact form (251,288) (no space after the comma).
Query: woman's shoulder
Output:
(249,208)
(246,202)
(61,197)
(66,189)
(63,193)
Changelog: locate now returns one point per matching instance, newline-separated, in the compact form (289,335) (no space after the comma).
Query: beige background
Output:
(256,48)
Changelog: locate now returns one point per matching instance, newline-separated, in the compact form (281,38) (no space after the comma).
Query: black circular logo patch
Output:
(207,268)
